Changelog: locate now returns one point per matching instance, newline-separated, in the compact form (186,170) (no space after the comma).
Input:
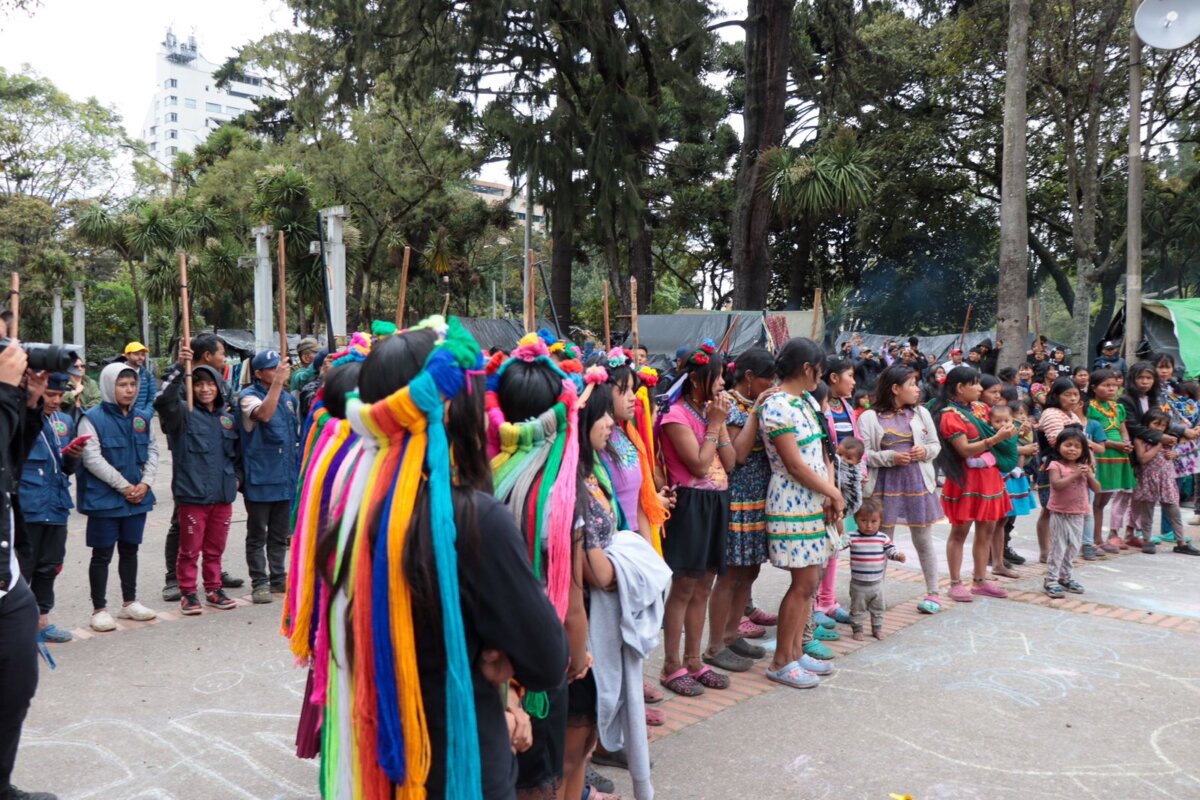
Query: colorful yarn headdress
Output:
(701,356)
(378,736)
(534,469)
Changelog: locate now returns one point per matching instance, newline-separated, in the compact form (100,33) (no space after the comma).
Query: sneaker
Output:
(1115,541)
(760,617)
(1195,520)
(818,649)
(1149,548)
(170,593)
(750,630)
(189,605)
(136,611)
(103,622)
(230,582)
(54,635)
(988,589)
(1108,547)
(279,587)
(816,667)
(747,650)
(1185,549)
(219,599)
(1013,557)
(1135,541)
(826,634)
(824,620)
(930,604)
(16,794)
(262,594)
(1088,553)
(960,594)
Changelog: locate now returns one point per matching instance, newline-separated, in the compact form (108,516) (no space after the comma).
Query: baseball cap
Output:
(957,351)
(264,360)
(136,347)
(683,352)
(58,382)
(308,345)
(1111,343)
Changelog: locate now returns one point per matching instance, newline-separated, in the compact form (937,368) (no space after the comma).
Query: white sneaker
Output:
(103,622)
(1195,520)
(137,611)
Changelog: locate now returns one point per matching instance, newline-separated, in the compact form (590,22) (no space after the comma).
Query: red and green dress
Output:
(981,497)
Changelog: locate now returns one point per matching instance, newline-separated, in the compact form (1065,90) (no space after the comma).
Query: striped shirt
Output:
(868,555)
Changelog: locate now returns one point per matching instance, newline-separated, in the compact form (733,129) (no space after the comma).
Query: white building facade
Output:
(187,104)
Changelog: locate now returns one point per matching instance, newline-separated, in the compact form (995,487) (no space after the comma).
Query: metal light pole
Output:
(1133,221)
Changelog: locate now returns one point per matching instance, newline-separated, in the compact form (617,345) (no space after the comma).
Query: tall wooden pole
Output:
(607,328)
(283,345)
(633,314)
(816,321)
(14,331)
(187,327)
(403,298)
(966,326)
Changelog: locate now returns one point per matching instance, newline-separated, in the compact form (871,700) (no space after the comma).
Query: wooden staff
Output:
(530,294)
(187,327)
(816,312)
(15,299)
(403,298)
(283,346)
(723,347)
(633,313)
(966,326)
(607,328)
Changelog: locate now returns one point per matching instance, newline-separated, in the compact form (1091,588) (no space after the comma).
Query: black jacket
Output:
(205,449)
(19,429)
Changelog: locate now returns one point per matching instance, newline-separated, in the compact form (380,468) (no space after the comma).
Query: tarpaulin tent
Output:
(502,333)
(1168,326)
(243,340)
(663,334)
(936,347)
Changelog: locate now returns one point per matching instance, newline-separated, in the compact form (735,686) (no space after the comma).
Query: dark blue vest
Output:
(271,452)
(204,455)
(45,490)
(125,444)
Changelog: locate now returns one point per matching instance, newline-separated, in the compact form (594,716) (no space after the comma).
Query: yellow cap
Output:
(136,347)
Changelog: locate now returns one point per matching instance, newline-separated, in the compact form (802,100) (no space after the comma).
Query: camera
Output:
(45,357)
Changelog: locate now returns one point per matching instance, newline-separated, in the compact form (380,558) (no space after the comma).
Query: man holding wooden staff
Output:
(270,433)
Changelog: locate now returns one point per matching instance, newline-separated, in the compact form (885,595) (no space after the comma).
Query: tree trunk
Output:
(801,265)
(1012,324)
(768,27)
(562,252)
(641,266)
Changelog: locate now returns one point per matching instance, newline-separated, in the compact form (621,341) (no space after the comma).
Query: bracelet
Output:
(712,437)
(722,444)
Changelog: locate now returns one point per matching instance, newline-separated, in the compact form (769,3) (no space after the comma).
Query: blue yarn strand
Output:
(390,743)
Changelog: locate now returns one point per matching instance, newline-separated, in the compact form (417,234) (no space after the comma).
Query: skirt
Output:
(982,499)
(541,766)
(1114,472)
(1020,495)
(694,535)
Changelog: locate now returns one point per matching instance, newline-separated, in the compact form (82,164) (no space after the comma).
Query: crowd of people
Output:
(477,551)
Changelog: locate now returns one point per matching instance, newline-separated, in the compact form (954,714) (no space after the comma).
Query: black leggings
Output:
(127,568)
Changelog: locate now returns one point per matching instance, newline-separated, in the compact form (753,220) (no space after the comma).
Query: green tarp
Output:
(1186,316)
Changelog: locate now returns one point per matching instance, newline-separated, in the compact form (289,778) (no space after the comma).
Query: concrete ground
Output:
(995,699)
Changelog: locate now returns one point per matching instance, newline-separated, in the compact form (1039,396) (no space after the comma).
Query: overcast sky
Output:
(105,48)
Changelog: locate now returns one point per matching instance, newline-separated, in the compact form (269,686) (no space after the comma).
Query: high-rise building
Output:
(187,104)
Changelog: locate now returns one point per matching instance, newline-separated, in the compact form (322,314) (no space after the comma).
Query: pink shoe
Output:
(748,630)
(760,617)
(960,594)
(988,589)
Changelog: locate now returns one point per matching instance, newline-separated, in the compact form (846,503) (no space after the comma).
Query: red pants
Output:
(202,529)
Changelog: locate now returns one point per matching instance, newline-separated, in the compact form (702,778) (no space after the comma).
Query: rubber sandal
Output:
(841,615)
(1054,590)
(597,781)
(960,594)
(728,660)
(750,630)
(826,634)
(683,684)
(818,650)
(1072,586)
(655,718)
(650,693)
(55,635)
(747,650)
(929,605)
(709,679)
(794,675)
(988,589)
(810,664)
(760,617)
(824,620)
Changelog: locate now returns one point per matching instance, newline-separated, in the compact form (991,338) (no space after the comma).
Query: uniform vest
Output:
(125,445)
(45,491)
(270,452)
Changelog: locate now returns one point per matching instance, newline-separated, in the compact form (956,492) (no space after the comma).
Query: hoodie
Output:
(101,421)
(207,455)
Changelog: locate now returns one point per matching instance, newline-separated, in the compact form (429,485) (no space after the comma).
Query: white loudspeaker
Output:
(1168,24)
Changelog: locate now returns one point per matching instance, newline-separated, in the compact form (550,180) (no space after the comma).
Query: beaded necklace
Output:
(1109,411)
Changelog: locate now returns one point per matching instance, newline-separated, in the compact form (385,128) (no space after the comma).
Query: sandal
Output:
(728,660)
(1073,586)
(681,683)
(1054,590)
(760,617)
(930,605)
(655,718)
(817,649)
(650,694)
(592,793)
(713,680)
(793,675)
(750,630)
(826,634)
(841,615)
(1004,572)
(824,620)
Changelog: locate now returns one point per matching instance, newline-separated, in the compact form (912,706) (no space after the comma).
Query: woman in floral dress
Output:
(802,502)
(1185,414)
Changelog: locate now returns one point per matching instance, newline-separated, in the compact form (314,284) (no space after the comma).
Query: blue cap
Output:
(59,382)
(267,359)
(683,352)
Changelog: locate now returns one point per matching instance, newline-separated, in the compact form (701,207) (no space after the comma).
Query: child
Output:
(849,475)
(1156,483)
(119,464)
(204,480)
(1016,481)
(868,549)
(1113,469)
(1071,475)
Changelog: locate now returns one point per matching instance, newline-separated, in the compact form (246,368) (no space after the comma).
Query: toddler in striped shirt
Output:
(870,550)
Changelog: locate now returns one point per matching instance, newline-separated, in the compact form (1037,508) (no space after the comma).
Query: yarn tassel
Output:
(562,508)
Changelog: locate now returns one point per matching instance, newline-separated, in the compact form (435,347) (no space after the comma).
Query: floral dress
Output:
(746,544)
(797,535)
(1185,412)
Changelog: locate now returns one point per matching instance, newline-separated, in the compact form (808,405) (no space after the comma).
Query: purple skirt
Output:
(905,499)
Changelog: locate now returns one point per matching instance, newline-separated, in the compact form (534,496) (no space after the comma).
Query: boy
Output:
(204,481)
(869,547)
(119,464)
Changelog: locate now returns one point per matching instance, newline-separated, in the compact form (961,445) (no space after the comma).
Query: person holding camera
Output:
(119,465)
(270,436)
(45,502)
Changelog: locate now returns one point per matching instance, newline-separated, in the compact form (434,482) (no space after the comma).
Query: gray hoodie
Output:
(93,458)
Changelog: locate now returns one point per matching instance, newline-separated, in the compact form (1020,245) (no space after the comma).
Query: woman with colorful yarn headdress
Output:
(420,650)
(533,410)
(698,455)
